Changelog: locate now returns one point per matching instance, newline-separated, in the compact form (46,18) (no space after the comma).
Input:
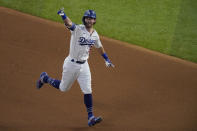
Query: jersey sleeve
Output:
(98,43)
(73,28)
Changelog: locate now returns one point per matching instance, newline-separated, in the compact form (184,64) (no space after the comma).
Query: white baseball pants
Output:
(73,71)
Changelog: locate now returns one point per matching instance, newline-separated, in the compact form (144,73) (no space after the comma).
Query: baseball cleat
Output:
(40,82)
(94,120)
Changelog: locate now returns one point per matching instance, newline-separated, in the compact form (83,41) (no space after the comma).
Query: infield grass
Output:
(167,26)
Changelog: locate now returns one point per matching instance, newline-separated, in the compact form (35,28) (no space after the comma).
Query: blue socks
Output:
(88,104)
(52,82)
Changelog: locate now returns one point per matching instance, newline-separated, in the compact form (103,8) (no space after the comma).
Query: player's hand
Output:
(109,64)
(61,12)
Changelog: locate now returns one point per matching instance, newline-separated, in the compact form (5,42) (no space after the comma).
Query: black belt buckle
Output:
(78,62)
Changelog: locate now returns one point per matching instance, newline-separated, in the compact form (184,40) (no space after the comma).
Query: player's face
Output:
(89,22)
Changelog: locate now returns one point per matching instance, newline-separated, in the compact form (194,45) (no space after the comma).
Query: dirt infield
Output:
(147,91)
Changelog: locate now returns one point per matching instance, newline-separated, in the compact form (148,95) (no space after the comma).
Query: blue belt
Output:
(78,62)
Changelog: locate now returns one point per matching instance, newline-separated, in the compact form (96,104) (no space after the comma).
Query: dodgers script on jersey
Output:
(81,42)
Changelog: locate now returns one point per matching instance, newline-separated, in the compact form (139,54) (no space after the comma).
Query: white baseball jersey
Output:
(81,42)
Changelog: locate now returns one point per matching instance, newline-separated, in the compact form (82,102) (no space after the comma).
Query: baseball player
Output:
(76,66)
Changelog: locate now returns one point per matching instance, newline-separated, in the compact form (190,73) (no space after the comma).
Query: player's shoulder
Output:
(78,27)
(95,33)
(81,26)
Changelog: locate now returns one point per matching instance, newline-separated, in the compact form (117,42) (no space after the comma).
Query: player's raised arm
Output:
(68,23)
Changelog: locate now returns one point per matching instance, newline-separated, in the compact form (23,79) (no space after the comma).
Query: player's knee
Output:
(63,88)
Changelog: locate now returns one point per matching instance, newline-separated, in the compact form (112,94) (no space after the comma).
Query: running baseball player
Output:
(76,66)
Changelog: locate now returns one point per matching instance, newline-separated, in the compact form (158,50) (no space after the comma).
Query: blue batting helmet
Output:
(89,13)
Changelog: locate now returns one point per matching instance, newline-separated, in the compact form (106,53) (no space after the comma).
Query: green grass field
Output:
(167,26)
